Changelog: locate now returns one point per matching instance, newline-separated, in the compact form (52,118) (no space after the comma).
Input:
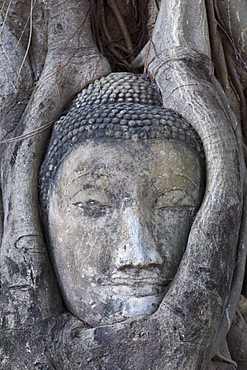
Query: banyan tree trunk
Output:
(192,322)
(180,62)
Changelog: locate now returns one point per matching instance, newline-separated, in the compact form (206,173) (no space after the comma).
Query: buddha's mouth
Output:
(139,282)
(140,279)
(135,287)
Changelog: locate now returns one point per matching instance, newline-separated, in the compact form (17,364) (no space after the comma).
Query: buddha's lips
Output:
(141,278)
(124,288)
(136,280)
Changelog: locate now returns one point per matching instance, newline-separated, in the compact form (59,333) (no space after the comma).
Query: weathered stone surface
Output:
(119,214)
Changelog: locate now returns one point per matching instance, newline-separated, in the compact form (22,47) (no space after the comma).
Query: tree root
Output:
(120,40)
(237,341)
(226,359)
(121,24)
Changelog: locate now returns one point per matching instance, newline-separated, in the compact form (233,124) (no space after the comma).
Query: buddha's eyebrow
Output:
(86,174)
(84,191)
(94,171)
(79,174)
(197,186)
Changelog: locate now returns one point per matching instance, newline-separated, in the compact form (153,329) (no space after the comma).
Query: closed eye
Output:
(171,208)
(175,199)
(177,209)
(93,208)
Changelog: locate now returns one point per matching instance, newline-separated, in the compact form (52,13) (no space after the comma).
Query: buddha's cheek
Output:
(77,259)
(74,250)
(170,229)
(81,247)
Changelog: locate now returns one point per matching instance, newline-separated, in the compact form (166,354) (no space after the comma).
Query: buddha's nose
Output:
(135,245)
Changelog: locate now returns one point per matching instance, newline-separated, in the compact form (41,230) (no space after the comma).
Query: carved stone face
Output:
(119,218)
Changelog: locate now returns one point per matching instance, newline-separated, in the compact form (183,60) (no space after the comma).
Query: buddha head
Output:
(120,186)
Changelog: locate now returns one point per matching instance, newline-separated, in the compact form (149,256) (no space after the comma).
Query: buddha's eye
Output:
(175,200)
(93,208)
(189,210)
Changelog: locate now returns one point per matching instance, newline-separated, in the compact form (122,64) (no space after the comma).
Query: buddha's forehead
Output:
(110,154)
(160,162)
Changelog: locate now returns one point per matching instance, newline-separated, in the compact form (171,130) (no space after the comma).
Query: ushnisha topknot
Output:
(120,106)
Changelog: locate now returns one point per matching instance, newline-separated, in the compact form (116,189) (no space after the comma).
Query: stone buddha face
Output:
(119,217)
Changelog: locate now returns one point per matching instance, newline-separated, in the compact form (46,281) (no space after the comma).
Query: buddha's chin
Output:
(117,308)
